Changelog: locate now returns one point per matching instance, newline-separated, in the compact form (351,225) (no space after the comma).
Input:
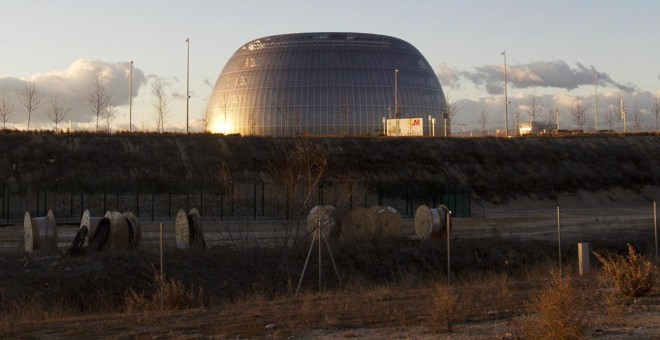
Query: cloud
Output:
(448,77)
(556,74)
(70,86)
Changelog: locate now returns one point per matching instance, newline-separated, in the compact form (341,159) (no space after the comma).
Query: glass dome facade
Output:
(324,84)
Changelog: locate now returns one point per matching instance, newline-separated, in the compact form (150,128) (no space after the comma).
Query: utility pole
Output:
(596,102)
(130,99)
(506,99)
(187,81)
(397,114)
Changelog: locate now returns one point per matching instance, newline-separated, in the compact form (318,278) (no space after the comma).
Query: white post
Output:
(448,226)
(655,227)
(559,238)
(583,258)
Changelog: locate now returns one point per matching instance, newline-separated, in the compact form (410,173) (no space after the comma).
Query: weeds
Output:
(558,310)
(631,276)
(170,295)
(443,309)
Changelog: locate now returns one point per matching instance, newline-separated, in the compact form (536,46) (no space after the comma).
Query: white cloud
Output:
(70,86)
(448,77)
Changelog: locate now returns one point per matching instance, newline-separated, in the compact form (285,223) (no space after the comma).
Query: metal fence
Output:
(237,200)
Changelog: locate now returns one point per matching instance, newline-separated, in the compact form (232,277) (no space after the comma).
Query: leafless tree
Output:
(6,110)
(611,117)
(299,171)
(160,104)
(252,122)
(516,122)
(57,112)
(551,116)
(638,118)
(30,99)
(655,111)
(108,115)
(285,110)
(535,107)
(345,112)
(453,108)
(98,98)
(482,120)
(579,113)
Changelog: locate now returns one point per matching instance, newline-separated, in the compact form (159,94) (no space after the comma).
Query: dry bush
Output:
(558,310)
(170,295)
(631,276)
(443,309)
(14,311)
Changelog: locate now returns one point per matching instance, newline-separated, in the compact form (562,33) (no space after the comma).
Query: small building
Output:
(536,128)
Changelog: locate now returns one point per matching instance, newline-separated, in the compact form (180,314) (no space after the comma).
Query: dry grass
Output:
(558,310)
(170,295)
(630,276)
(443,309)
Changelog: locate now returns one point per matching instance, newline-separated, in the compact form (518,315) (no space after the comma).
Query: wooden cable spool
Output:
(389,221)
(428,223)
(91,222)
(134,225)
(120,234)
(40,232)
(188,230)
(359,224)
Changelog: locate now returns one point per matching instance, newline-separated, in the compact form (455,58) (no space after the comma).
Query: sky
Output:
(562,52)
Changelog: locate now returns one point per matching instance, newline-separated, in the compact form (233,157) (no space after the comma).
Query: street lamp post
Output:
(187,81)
(506,99)
(397,115)
(130,99)
(596,101)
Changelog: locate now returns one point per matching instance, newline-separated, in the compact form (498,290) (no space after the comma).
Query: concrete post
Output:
(583,258)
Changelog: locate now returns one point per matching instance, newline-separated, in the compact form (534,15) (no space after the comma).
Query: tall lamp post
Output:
(596,101)
(397,115)
(187,81)
(506,99)
(130,99)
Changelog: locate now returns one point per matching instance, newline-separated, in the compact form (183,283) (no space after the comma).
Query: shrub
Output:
(556,311)
(631,276)
(443,309)
(170,295)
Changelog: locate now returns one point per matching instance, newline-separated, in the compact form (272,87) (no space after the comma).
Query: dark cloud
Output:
(540,74)
(70,86)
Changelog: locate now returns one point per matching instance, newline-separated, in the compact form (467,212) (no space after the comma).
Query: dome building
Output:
(327,84)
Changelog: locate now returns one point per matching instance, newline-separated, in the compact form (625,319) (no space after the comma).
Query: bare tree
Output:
(285,110)
(57,112)
(98,98)
(160,104)
(638,118)
(551,116)
(611,117)
(516,122)
(6,110)
(453,108)
(535,107)
(579,113)
(482,120)
(30,99)
(345,112)
(298,171)
(655,110)
(252,122)
(108,115)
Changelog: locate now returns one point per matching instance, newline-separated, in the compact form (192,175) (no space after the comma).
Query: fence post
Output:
(559,238)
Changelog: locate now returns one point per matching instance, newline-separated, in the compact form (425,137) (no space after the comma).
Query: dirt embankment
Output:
(494,168)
